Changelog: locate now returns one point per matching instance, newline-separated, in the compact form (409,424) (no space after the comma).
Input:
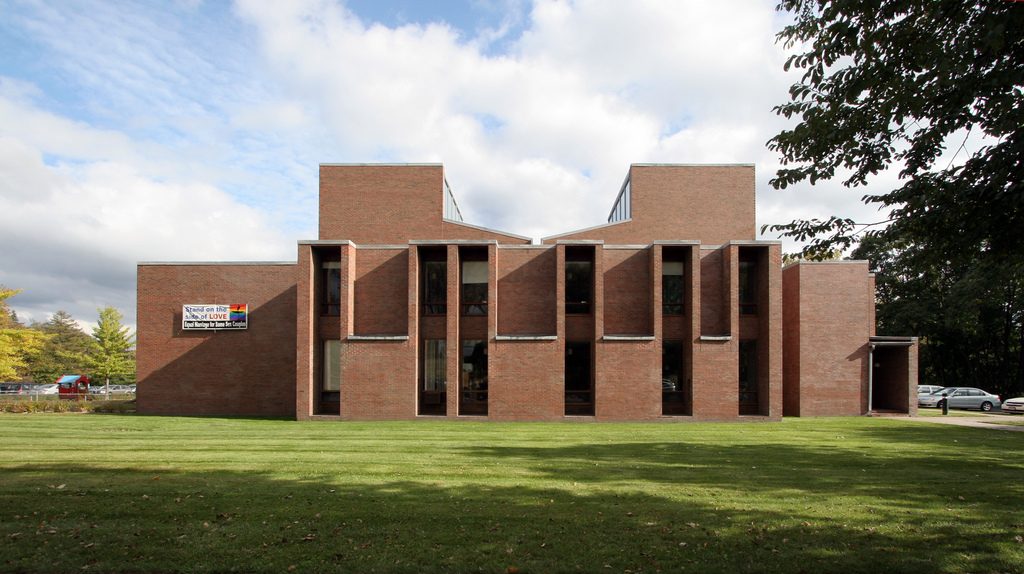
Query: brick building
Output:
(672,310)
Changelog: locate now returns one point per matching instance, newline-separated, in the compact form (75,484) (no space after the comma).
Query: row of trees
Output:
(907,85)
(42,352)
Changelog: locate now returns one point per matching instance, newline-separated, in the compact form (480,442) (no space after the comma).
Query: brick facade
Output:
(673,312)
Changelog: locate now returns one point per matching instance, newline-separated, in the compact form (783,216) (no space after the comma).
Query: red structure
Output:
(73,387)
(671,310)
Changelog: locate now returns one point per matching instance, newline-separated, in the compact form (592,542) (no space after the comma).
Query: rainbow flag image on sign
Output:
(238,313)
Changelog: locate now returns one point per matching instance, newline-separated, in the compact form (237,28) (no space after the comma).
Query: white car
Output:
(1014,405)
(47,389)
(927,389)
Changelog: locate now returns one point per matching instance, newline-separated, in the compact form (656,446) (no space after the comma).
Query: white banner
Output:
(206,317)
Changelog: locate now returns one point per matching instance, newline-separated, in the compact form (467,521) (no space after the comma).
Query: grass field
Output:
(85,492)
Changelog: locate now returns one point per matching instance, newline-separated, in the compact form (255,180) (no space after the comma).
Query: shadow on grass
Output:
(75,517)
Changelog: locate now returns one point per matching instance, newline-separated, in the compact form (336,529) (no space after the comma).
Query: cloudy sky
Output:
(149,131)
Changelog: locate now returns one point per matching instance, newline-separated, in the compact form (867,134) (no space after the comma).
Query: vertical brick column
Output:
(346,326)
(304,336)
(413,344)
(453,350)
(770,329)
(691,308)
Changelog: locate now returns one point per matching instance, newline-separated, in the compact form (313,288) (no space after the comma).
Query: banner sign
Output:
(214,317)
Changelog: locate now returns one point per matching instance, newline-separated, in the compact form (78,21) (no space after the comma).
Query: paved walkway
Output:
(977,421)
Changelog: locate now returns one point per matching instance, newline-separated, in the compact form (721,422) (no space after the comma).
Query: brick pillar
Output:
(304,336)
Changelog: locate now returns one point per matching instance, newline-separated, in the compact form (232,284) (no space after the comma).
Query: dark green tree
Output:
(66,351)
(895,83)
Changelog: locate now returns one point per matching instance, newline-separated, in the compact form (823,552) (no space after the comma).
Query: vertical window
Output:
(749,400)
(672,287)
(435,287)
(330,378)
(433,378)
(473,378)
(748,283)
(579,384)
(474,287)
(332,288)
(674,387)
(579,280)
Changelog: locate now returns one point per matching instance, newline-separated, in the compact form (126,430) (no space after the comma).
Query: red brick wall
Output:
(713,204)
(390,204)
(381,292)
(627,292)
(305,338)
(525,380)
(250,372)
(627,381)
(713,304)
(526,291)
(378,379)
(834,308)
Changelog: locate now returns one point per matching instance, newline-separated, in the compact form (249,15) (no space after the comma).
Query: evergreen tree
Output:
(113,355)
(65,352)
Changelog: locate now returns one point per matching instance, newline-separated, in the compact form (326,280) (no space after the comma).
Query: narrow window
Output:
(579,384)
(579,281)
(332,288)
(433,378)
(749,399)
(330,380)
(672,287)
(474,287)
(748,283)
(473,378)
(435,287)
(674,388)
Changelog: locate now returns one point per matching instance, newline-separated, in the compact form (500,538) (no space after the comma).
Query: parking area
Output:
(993,421)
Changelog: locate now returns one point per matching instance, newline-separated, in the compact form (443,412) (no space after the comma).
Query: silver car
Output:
(928,389)
(961,398)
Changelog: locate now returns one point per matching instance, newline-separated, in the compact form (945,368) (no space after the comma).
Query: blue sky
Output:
(192,130)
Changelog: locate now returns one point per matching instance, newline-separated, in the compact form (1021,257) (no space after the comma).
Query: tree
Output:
(887,84)
(113,354)
(8,318)
(890,82)
(19,347)
(66,350)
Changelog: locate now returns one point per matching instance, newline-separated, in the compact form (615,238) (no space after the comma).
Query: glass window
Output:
(579,382)
(435,287)
(578,286)
(674,387)
(474,287)
(749,400)
(332,288)
(332,365)
(672,287)
(748,285)
(473,378)
(434,369)
(433,378)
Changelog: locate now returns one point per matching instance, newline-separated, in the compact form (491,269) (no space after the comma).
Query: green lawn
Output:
(83,492)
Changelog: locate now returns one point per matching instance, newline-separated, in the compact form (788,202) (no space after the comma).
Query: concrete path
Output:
(980,421)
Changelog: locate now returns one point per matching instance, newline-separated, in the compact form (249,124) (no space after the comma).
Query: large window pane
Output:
(749,400)
(579,282)
(748,284)
(435,287)
(675,388)
(473,378)
(332,365)
(433,396)
(579,382)
(672,287)
(332,288)
(474,287)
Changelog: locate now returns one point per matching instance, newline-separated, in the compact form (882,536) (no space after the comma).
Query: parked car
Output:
(15,389)
(960,398)
(927,389)
(1014,405)
(48,389)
